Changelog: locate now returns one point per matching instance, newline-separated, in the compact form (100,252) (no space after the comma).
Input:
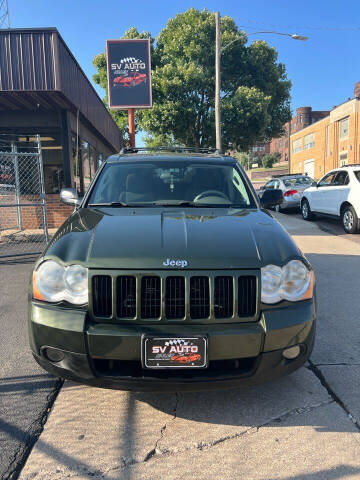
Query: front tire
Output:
(349,220)
(306,211)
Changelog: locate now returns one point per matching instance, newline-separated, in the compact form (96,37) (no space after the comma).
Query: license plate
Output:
(175,352)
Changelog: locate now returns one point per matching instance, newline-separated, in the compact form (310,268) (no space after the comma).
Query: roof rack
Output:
(351,165)
(129,150)
(288,175)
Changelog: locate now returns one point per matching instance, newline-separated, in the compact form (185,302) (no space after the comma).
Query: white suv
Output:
(337,194)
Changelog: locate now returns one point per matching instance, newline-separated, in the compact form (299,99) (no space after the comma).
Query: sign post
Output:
(129,77)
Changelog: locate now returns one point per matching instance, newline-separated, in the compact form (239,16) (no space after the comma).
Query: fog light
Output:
(292,352)
(53,354)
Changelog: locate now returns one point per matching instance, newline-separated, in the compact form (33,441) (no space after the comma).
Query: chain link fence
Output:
(23,221)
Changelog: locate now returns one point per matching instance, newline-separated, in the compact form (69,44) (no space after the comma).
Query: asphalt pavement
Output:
(302,427)
(26,391)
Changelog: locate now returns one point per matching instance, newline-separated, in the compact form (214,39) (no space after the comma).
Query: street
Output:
(304,426)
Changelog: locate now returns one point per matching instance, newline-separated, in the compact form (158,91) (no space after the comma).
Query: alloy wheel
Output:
(348,220)
(305,210)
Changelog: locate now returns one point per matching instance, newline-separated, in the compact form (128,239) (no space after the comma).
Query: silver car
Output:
(292,186)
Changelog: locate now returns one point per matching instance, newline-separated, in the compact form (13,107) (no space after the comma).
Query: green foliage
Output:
(269,159)
(255,90)
(244,159)
(154,141)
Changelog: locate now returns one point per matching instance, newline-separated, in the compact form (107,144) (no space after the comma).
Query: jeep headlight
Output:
(54,283)
(293,282)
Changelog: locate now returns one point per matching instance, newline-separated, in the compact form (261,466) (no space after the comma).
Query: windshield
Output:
(290,182)
(171,183)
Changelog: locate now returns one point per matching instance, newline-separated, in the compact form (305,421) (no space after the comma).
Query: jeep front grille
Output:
(101,287)
(183,297)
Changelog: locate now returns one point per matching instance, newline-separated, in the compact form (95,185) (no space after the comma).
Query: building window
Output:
(309,141)
(344,128)
(343,159)
(328,141)
(297,145)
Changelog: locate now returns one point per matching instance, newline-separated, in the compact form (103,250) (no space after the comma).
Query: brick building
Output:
(44,91)
(304,117)
(330,142)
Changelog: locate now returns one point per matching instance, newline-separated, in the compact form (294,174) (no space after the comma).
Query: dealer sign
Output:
(129,73)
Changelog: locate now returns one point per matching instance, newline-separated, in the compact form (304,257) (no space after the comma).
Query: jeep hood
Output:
(144,238)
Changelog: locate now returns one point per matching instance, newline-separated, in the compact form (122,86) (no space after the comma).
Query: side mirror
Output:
(70,196)
(262,188)
(314,184)
(271,198)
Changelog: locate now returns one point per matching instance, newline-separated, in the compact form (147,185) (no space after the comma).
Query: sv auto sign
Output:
(129,73)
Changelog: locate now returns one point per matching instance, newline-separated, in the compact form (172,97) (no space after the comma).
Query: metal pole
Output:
(15,159)
(217,83)
(132,126)
(42,188)
(289,146)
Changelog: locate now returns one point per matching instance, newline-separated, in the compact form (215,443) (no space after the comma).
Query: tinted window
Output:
(357,174)
(171,182)
(327,180)
(342,178)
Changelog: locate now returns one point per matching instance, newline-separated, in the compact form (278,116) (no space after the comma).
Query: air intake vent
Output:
(126,297)
(247,296)
(199,297)
(223,297)
(175,297)
(150,297)
(102,296)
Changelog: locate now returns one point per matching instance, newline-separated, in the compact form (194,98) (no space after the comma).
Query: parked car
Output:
(336,195)
(130,80)
(292,186)
(171,275)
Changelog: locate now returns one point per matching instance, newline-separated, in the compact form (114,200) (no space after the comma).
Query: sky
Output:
(323,70)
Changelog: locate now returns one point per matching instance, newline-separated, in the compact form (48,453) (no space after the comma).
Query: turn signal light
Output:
(289,193)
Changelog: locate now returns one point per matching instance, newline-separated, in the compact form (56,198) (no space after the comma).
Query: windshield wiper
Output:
(119,204)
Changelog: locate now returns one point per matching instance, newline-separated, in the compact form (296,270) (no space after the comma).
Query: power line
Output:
(4,14)
(253,24)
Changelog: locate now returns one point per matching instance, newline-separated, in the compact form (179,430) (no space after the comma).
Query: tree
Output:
(269,159)
(255,90)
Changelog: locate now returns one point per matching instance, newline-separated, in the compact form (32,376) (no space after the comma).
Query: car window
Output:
(299,181)
(327,180)
(341,178)
(276,184)
(357,175)
(171,182)
(270,185)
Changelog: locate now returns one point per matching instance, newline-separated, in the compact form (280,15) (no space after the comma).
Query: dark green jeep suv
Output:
(171,275)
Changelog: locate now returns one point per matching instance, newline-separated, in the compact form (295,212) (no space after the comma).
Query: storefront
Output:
(43,91)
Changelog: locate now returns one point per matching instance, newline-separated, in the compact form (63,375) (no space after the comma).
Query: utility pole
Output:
(217,83)
(132,126)
(4,14)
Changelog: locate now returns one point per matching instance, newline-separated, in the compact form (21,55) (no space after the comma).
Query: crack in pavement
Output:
(31,436)
(336,364)
(164,452)
(314,368)
(126,462)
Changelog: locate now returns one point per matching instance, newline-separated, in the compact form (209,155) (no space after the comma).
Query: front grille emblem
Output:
(175,263)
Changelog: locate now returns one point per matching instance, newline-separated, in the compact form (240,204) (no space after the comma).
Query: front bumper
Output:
(109,355)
